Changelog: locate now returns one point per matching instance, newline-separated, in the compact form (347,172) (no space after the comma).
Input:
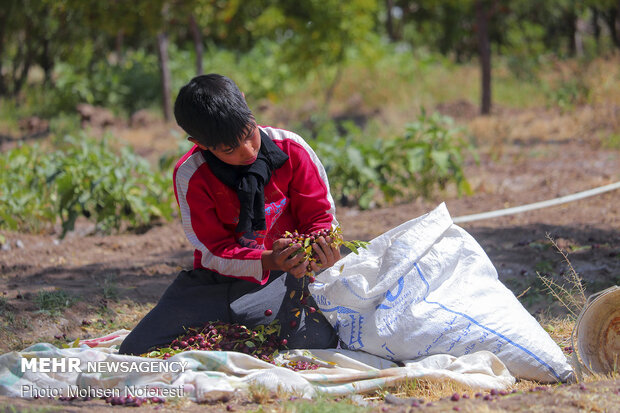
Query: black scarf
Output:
(249,181)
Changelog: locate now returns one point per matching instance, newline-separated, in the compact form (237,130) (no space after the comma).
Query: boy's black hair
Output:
(212,110)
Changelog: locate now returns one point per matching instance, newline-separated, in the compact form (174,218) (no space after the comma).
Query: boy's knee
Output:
(134,346)
(128,347)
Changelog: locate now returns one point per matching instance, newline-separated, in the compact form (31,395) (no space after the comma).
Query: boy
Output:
(239,189)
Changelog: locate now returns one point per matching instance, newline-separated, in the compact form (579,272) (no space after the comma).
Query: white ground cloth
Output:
(211,375)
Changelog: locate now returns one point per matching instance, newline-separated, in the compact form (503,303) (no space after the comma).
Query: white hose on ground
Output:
(537,205)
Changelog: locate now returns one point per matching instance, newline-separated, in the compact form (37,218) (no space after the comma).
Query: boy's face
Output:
(242,155)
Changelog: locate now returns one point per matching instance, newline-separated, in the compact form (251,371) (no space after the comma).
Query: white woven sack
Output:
(427,287)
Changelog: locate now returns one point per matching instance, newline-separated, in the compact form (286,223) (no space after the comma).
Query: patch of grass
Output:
(612,141)
(4,306)
(559,328)
(110,288)
(116,316)
(321,404)
(260,394)
(429,390)
(568,93)
(8,316)
(54,302)
(9,116)
(544,266)
(543,246)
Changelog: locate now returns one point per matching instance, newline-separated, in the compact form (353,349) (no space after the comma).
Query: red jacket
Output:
(296,198)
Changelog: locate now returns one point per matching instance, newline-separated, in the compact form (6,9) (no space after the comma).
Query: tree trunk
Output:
(571,26)
(484,51)
(197,36)
(389,20)
(610,17)
(329,94)
(46,62)
(581,27)
(162,49)
(5,16)
(3,89)
(118,45)
(596,28)
(20,78)
(615,24)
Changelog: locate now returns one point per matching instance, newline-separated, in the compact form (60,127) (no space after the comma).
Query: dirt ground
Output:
(601,396)
(119,277)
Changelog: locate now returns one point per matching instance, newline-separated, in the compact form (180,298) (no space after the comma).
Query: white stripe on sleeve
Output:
(224,266)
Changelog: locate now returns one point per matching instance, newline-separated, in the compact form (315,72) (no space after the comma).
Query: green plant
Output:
(544,267)
(570,294)
(53,302)
(95,181)
(25,193)
(110,288)
(612,141)
(428,156)
(350,165)
(84,176)
(568,93)
(124,86)
(323,403)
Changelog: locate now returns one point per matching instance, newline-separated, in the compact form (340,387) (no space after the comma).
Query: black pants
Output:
(200,296)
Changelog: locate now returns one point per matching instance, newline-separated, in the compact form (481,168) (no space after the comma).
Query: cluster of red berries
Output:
(131,401)
(313,236)
(260,343)
(307,241)
(128,401)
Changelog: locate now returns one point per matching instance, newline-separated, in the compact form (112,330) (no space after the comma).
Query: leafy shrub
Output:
(427,157)
(134,82)
(350,164)
(85,176)
(26,197)
(260,72)
(109,187)
(568,93)
(124,86)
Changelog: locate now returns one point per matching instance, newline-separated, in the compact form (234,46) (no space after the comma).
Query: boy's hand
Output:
(328,254)
(279,258)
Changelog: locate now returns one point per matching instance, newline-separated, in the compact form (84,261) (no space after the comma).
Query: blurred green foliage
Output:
(429,155)
(567,93)
(55,54)
(106,52)
(125,86)
(83,176)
